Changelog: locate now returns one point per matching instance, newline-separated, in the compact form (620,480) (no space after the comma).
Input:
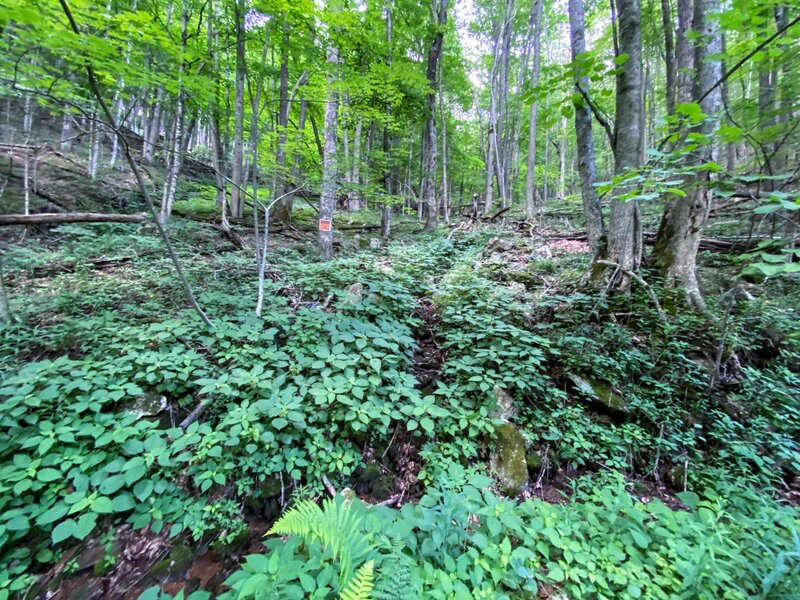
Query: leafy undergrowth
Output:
(670,447)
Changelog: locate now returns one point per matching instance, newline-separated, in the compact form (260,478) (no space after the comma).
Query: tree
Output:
(439,17)
(583,132)
(678,239)
(624,249)
(531,204)
(327,201)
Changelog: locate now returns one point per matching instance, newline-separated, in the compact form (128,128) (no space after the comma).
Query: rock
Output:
(373,481)
(598,392)
(355,294)
(508,459)
(533,459)
(148,405)
(271,487)
(175,565)
(497,244)
(505,408)
(222,548)
(374,244)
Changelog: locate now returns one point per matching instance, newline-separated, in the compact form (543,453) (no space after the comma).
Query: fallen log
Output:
(724,244)
(35,218)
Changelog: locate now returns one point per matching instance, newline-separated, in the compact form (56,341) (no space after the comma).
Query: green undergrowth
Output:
(612,402)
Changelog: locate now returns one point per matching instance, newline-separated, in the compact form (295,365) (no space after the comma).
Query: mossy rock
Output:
(533,458)
(175,565)
(271,487)
(382,487)
(600,393)
(223,548)
(508,459)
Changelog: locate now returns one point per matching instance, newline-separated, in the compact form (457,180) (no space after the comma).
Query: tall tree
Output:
(531,204)
(439,18)
(678,239)
(327,201)
(583,131)
(625,225)
(237,166)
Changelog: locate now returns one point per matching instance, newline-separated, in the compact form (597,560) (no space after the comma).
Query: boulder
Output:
(505,408)
(600,393)
(508,459)
(355,294)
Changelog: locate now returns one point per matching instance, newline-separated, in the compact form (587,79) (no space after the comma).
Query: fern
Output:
(337,526)
(360,586)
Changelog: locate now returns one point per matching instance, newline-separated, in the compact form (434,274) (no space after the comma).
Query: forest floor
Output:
(470,390)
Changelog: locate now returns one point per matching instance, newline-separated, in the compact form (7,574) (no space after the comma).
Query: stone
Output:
(271,487)
(222,548)
(374,244)
(175,565)
(505,408)
(600,393)
(355,294)
(508,459)
(148,405)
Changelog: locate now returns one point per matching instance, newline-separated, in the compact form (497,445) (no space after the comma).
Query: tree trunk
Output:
(678,239)
(625,227)
(434,55)
(174,155)
(669,54)
(354,198)
(237,168)
(531,206)
(5,311)
(584,137)
(327,201)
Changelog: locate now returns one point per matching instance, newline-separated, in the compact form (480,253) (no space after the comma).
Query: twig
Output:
(328,486)
(638,278)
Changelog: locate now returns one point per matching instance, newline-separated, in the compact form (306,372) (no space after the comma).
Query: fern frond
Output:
(336,525)
(360,586)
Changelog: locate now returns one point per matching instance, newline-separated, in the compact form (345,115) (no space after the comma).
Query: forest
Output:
(385,299)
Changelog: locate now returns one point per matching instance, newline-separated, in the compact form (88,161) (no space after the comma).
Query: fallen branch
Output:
(193,416)
(495,215)
(17,219)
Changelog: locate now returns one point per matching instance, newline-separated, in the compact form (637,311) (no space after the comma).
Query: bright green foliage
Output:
(360,586)
(603,544)
(335,526)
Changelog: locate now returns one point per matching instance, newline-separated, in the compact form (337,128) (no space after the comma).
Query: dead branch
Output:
(17,219)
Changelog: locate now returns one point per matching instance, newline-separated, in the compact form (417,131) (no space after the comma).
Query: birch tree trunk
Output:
(327,201)
(583,135)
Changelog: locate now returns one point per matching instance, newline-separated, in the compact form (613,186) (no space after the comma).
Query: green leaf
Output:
(48,474)
(53,514)
(690,499)
(85,525)
(102,505)
(123,503)
(63,530)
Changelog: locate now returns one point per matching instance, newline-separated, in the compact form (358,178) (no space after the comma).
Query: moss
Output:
(508,459)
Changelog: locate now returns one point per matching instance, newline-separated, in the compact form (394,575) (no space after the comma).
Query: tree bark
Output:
(237,168)
(625,227)
(531,205)
(669,54)
(37,218)
(587,168)
(327,201)
(681,229)
(434,55)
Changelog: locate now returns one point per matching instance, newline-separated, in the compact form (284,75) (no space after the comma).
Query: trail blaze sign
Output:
(324,224)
